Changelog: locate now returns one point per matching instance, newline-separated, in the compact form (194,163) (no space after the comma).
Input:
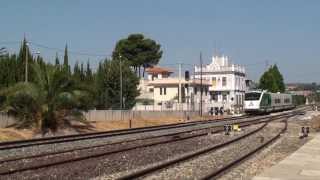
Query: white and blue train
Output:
(258,102)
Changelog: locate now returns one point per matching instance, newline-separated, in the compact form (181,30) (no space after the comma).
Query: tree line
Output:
(57,92)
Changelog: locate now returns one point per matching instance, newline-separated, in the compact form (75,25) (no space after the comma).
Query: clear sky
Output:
(286,32)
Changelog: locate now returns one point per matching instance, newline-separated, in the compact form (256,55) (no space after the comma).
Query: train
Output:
(264,102)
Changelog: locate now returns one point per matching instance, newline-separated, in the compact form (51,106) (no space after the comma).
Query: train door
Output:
(265,102)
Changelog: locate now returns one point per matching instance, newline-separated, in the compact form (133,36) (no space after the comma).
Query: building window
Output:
(214,96)
(224,97)
(151,90)
(164,90)
(214,81)
(161,91)
(195,90)
(224,81)
(237,82)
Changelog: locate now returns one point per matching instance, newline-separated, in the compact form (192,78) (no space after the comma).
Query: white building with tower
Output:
(227,81)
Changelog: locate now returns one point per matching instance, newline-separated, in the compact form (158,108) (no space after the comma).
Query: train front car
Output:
(257,102)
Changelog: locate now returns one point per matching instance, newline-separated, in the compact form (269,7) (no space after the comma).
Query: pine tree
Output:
(82,74)
(66,67)
(66,58)
(77,72)
(57,61)
(89,77)
(108,85)
(139,51)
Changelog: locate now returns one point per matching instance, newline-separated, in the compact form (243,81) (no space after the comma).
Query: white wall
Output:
(171,92)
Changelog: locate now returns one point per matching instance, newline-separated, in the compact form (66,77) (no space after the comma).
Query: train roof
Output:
(265,91)
(255,91)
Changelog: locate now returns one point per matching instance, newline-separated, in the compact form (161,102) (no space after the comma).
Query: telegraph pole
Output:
(180,96)
(120,63)
(201,88)
(267,65)
(26,53)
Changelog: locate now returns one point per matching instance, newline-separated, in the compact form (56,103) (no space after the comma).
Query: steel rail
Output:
(242,124)
(49,164)
(216,173)
(78,137)
(12,170)
(151,169)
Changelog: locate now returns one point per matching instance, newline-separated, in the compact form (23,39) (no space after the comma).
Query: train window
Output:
(287,100)
(252,96)
(277,101)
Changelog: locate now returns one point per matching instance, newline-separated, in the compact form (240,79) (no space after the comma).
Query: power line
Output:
(70,52)
(57,49)
(10,42)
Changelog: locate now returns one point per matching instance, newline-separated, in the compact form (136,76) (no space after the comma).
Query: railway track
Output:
(173,137)
(215,173)
(169,163)
(87,136)
(79,137)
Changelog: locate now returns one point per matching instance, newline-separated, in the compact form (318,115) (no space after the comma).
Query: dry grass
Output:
(10,134)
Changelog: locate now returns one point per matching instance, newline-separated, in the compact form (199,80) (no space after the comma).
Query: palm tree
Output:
(51,101)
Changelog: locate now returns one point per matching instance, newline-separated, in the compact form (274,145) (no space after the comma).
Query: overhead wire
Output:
(57,49)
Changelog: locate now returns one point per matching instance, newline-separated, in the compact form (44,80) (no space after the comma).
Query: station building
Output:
(227,83)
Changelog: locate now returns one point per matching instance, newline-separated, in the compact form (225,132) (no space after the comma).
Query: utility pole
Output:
(26,53)
(120,81)
(179,91)
(267,65)
(201,88)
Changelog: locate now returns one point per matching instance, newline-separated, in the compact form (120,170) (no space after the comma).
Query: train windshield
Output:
(252,96)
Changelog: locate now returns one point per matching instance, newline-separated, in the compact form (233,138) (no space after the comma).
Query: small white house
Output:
(164,91)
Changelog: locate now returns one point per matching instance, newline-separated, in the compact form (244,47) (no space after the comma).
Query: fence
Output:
(114,115)
(6,120)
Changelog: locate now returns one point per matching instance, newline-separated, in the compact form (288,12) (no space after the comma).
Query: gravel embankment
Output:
(111,148)
(204,164)
(33,150)
(120,162)
(273,154)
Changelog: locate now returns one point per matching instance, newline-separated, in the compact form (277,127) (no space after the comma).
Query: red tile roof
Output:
(158,70)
